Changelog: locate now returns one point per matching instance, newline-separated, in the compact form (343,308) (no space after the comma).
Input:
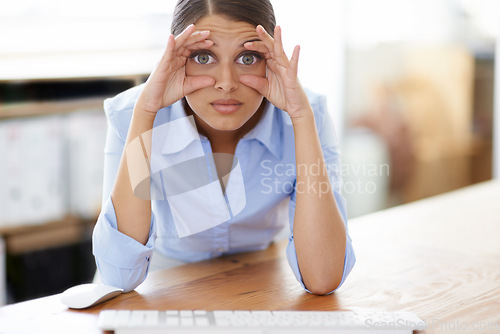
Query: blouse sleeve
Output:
(121,260)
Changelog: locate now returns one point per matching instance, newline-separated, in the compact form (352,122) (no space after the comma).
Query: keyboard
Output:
(258,322)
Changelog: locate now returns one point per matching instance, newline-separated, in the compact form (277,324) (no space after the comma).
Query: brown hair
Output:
(254,12)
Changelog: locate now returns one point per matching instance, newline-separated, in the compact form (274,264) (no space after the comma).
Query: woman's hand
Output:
(168,81)
(281,85)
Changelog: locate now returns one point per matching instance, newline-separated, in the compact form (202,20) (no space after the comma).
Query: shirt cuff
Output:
(116,248)
(349,261)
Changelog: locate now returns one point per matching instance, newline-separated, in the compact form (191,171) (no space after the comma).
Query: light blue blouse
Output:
(258,203)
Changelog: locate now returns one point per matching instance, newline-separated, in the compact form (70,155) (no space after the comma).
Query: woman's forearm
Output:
(131,202)
(166,84)
(319,230)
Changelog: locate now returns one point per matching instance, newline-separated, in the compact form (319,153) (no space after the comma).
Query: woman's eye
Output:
(247,59)
(204,58)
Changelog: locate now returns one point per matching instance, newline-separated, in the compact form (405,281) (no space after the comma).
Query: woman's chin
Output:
(225,126)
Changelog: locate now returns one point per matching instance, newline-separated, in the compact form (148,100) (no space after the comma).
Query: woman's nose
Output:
(226,79)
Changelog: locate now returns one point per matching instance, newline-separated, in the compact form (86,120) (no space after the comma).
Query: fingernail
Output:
(205,32)
(188,27)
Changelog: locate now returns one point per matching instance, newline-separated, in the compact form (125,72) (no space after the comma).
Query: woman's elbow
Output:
(125,279)
(322,290)
(323,287)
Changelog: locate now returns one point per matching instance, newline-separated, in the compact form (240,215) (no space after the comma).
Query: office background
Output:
(410,86)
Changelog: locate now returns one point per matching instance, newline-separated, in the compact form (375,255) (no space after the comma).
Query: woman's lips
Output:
(226,106)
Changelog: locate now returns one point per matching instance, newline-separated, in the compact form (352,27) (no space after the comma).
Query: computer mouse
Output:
(88,295)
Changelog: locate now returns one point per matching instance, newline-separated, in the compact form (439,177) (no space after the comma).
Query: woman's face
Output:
(228,104)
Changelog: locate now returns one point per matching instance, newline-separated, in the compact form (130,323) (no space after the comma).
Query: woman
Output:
(211,153)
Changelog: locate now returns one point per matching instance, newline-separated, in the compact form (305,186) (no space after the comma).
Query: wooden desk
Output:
(439,258)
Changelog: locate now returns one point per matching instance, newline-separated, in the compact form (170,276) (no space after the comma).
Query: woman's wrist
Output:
(143,114)
(142,122)
(302,117)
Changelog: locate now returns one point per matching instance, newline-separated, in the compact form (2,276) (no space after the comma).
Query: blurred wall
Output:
(419,78)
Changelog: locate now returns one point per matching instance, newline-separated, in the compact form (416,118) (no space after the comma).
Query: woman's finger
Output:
(168,54)
(274,45)
(265,37)
(173,44)
(278,43)
(260,84)
(259,47)
(183,36)
(196,37)
(294,61)
(195,82)
(189,37)
(279,53)
(186,51)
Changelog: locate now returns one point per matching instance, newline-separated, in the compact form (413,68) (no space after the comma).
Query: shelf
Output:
(28,238)
(30,109)
(33,85)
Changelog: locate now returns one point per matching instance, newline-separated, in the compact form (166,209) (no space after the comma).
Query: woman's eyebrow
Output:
(242,44)
(251,40)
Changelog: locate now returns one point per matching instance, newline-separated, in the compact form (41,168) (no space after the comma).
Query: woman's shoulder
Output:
(123,101)
(317,101)
(119,109)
